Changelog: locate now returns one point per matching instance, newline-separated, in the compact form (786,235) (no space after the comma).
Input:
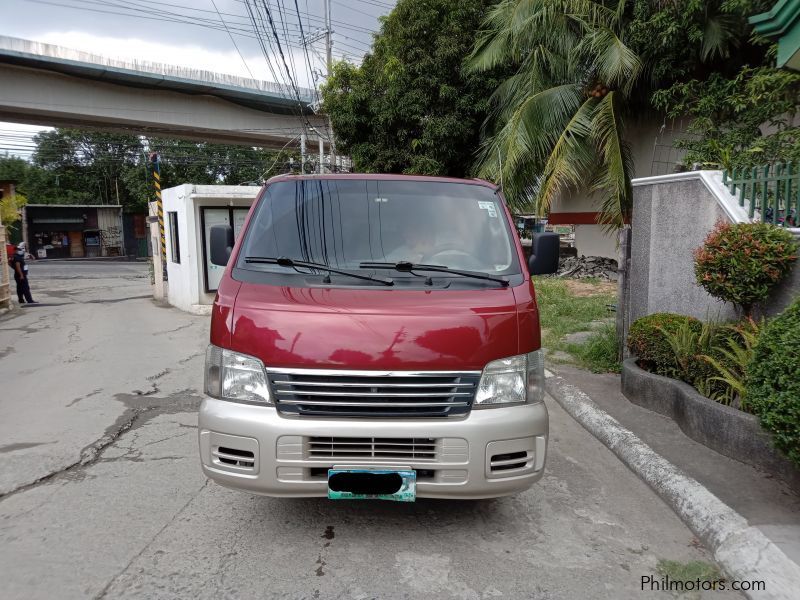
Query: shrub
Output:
(741,263)
(647,339)
(773,381)
(730,356)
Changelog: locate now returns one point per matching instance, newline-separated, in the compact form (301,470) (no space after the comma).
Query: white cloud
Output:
(186,55)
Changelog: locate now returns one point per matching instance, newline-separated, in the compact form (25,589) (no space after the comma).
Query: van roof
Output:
(384,177)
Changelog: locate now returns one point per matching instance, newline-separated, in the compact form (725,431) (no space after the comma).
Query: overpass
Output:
(43,84)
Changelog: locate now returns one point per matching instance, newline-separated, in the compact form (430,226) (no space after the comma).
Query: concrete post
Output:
(623,289)
(155,245)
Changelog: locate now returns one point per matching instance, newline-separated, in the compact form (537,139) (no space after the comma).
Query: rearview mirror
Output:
(221,244)
(544,254)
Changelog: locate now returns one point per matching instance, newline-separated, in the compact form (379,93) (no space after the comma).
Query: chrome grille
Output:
(373,393)
(344,448)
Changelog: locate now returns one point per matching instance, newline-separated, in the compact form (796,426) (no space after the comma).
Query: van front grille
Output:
(312,392)
(344,448)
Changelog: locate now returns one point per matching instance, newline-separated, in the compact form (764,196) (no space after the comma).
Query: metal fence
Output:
(770,193)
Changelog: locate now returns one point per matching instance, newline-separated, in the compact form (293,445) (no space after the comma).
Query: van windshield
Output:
(345,222)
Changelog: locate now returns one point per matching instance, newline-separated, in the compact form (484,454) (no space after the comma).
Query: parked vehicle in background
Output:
(374,336)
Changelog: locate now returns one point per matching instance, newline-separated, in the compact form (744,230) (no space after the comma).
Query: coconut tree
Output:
(558,123)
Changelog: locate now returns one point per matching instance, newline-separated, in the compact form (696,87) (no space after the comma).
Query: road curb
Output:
(743,551)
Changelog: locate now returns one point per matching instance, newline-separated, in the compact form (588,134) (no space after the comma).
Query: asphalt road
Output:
(101,494)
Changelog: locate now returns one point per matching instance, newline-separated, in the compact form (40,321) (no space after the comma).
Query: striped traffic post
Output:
(160,212)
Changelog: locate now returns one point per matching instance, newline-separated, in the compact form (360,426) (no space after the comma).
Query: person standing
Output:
(21,275)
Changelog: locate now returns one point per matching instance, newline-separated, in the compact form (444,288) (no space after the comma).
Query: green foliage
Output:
(10,210)
(728,114)
(599,352)
(730,359)
(580,68)
(686,342)
(86,167)
(649,339)
(557,122)
(411,107)
(741,263)
(689,571)
(773,381)
(691,38)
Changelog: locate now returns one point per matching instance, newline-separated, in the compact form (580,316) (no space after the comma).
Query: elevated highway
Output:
(43,84)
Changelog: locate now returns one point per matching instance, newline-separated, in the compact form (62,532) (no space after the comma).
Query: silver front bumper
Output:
(490,452)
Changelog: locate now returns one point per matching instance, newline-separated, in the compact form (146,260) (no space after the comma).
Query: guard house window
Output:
(175,247)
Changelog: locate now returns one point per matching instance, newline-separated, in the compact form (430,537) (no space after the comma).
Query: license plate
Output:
(372,484)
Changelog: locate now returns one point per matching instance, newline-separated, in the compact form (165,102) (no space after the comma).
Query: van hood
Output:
(371,329)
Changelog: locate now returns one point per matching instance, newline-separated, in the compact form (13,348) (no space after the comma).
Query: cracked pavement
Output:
(101,493)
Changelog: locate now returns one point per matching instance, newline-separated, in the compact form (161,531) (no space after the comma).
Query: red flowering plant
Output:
(741,263)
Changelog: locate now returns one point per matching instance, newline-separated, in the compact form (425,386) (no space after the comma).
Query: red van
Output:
(374,336)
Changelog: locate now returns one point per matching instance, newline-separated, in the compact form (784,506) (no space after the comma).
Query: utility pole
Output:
(329,63)
(303,153)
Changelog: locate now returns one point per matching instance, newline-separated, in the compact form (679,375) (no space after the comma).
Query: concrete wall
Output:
(591,240)
(670,220)
(672,215)
(186,282)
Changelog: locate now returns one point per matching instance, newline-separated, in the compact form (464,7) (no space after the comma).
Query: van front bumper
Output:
(490,452)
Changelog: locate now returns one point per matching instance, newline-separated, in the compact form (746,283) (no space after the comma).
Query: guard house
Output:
(73,231)
(189,213)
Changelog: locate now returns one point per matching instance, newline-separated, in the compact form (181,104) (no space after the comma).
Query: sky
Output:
(191,33)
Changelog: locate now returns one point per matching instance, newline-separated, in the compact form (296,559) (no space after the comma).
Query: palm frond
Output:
(615,180)
(719,34)
(571,159)
(617,65)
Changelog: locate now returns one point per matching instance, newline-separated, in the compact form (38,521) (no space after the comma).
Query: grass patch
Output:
(690,571)
(565,309)
(599,353)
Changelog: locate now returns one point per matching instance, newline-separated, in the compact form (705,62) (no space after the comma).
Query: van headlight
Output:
(236,377)
(514,380)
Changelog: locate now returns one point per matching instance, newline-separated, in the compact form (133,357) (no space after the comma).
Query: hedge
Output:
(646,340)
(773,381)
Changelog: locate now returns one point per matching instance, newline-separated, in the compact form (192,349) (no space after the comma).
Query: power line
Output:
(235,45)
(283,57)
(154,15)
(305,50)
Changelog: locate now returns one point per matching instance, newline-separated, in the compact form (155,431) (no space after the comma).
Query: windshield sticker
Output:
(488,206)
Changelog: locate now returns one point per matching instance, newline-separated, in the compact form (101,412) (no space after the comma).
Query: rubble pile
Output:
(581,267)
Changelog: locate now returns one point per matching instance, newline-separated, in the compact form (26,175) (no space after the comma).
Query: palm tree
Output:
(558,122)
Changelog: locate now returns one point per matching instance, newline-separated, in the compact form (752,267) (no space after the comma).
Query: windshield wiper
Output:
(408,267)
(283,261)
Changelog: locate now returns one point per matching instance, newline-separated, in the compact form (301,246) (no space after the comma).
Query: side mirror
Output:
(544,254)
(221,244)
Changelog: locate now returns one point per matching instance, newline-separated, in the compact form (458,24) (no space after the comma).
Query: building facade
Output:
(73,231)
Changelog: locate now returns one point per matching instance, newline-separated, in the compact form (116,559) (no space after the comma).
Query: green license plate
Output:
(372,484)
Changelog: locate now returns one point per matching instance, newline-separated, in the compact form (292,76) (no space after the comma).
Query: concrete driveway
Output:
(102,494)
